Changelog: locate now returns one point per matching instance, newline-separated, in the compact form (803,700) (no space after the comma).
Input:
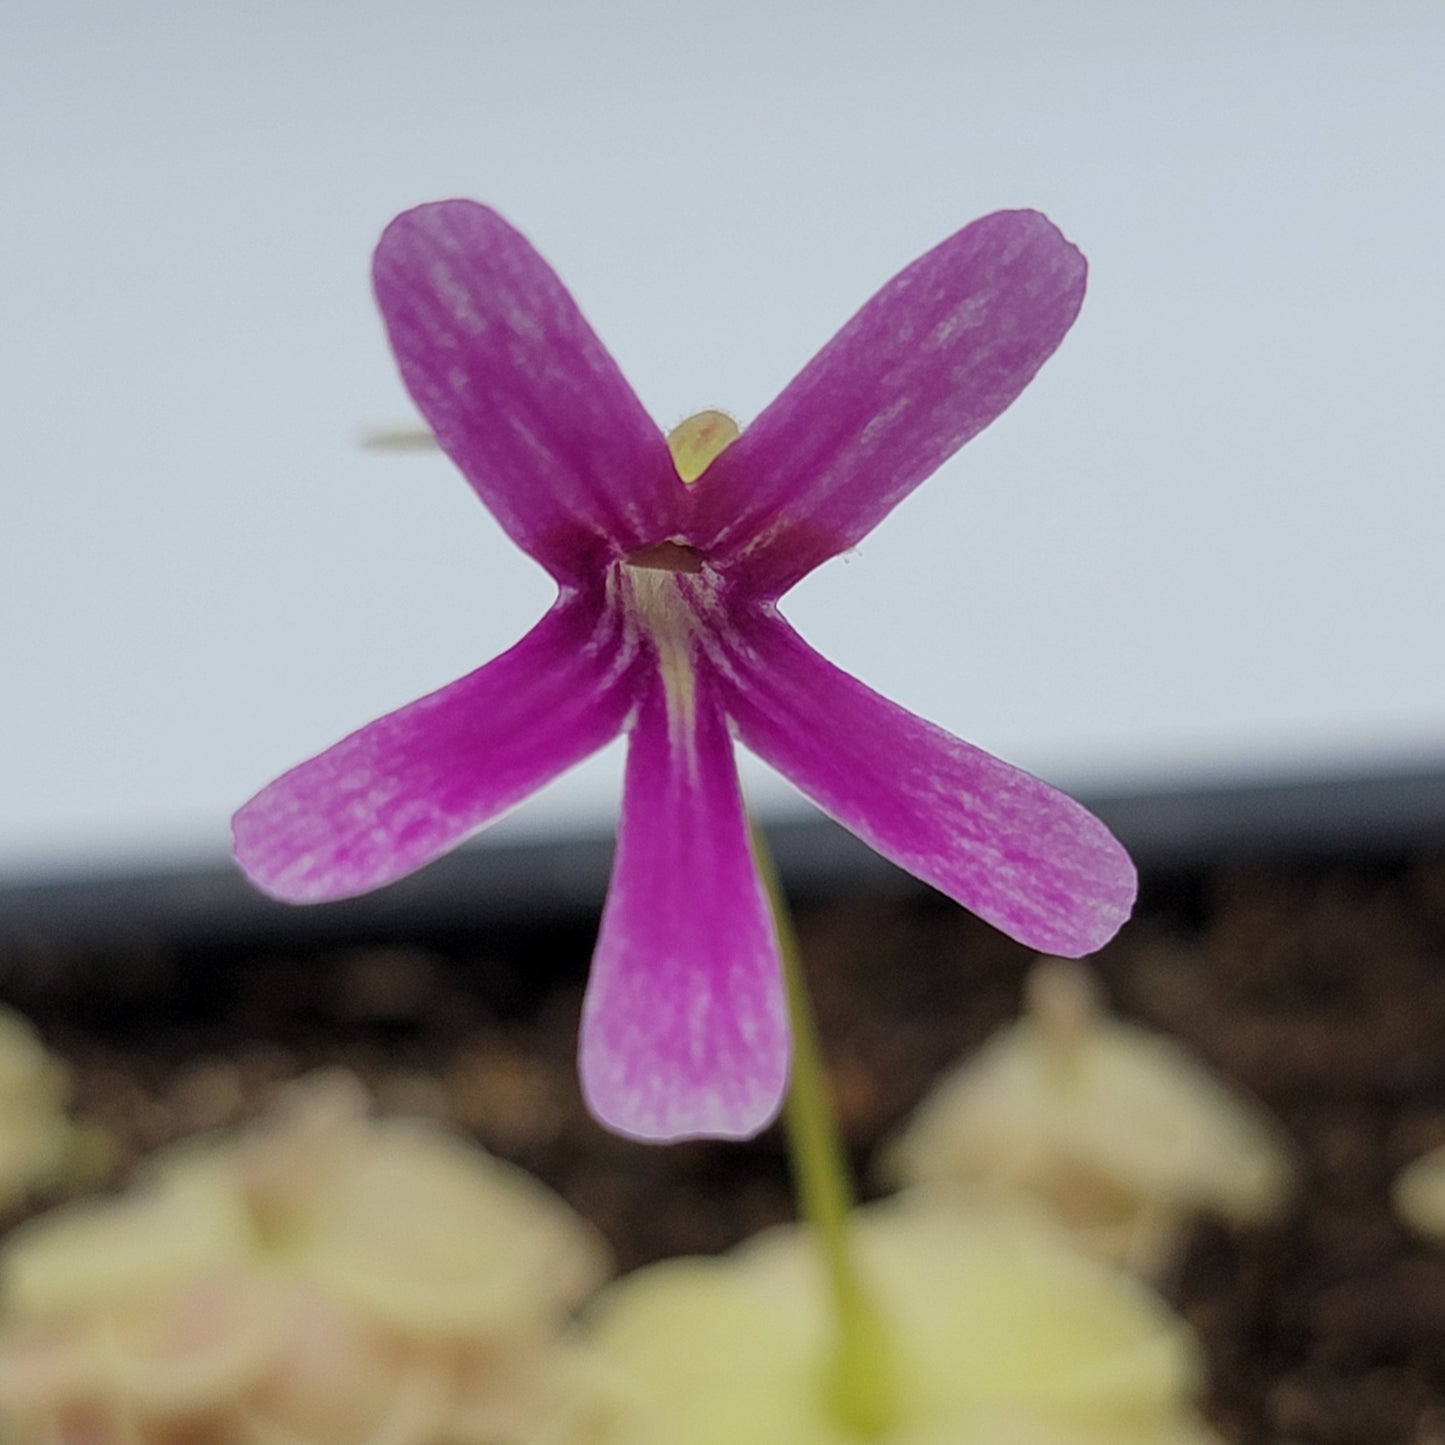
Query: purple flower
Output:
(666,626)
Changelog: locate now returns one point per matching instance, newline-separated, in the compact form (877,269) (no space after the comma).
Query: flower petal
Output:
(394,795)
(1008,847)
(520,392)
(684,1030)
(934,357)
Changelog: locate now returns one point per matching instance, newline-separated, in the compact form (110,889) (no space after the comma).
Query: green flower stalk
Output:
(860,1381)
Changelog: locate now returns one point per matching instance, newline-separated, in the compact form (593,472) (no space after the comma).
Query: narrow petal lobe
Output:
(1008,847)
(520,392)
(684,1031)
(929,362)
(415,783)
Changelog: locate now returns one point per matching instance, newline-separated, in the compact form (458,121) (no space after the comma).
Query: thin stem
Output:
(860,1380)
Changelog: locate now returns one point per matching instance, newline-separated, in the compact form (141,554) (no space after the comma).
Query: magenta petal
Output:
(520,392)
(934,357)
(394,795)
(1008,847)
(684,1030)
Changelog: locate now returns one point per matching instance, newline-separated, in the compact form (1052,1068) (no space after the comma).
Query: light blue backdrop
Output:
(1207,538)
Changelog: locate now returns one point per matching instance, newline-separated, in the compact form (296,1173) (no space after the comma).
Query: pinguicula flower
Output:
(670,555)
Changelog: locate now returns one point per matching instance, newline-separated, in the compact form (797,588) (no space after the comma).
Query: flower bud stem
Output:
(859,1376)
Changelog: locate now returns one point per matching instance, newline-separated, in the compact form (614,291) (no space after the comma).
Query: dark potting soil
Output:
(1320,990)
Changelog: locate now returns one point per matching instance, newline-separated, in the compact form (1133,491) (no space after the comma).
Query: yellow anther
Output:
(695,441)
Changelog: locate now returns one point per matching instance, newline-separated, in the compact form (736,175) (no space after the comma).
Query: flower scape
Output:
(670,554)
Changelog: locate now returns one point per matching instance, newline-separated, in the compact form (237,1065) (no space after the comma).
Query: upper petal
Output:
(684,1031)
(934,357)
(394,795)
(1011,849)
(519,391)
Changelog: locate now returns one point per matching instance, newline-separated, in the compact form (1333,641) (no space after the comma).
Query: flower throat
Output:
(694,442)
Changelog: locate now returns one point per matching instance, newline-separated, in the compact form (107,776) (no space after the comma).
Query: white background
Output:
(1206,540)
